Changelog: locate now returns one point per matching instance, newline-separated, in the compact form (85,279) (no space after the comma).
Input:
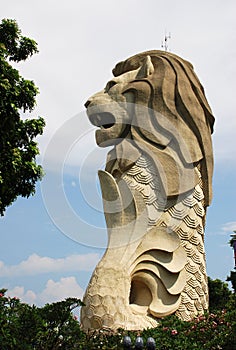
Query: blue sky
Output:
(46,253)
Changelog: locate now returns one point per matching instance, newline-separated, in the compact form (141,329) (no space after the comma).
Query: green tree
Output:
(50,327)
(18,169)
(53,327)
(219,294)
(232,277)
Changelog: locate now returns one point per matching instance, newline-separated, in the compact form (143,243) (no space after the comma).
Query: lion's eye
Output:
(110,84)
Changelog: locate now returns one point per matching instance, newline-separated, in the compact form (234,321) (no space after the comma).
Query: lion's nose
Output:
(87,103)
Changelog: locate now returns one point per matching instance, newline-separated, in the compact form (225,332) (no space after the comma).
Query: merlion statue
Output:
(156,187)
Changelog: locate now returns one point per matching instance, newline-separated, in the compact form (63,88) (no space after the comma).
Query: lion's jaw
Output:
(111,110)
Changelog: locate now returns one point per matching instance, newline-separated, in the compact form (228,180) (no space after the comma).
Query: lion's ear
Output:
(146,69)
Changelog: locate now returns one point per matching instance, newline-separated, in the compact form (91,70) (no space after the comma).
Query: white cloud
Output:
(28,296)
(54,291)
(229,227)
(36,265)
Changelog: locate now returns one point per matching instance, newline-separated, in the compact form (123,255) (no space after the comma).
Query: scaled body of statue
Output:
(156,187)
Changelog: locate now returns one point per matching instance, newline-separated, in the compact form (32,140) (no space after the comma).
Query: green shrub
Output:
(53,326)
(24,327)
(219,294)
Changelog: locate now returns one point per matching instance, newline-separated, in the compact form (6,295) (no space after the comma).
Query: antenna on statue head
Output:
(164,43)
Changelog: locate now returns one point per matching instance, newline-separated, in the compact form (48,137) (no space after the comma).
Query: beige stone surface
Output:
(155,188)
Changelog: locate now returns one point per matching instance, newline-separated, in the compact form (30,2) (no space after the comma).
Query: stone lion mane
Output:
(178,129)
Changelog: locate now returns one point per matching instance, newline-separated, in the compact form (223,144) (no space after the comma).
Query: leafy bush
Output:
(24,327)
(53,326)
(219,294)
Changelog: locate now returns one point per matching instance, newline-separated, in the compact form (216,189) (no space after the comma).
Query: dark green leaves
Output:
(15,46)
(30,327)
(18,169)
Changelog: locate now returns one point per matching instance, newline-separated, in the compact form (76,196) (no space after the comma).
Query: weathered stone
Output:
(156,187)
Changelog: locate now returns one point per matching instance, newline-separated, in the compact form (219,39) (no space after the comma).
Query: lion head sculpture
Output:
(156,104)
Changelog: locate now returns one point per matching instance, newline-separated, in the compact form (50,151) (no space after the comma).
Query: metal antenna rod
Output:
(165,41)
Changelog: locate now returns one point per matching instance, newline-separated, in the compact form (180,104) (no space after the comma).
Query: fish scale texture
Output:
(186,218)
(107,297)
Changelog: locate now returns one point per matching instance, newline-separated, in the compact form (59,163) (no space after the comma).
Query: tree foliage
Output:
(219,294)
(18,169)
(232,277)
(29,327)
(53,326)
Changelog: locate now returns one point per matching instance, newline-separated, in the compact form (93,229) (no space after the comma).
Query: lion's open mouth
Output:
(104,120)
